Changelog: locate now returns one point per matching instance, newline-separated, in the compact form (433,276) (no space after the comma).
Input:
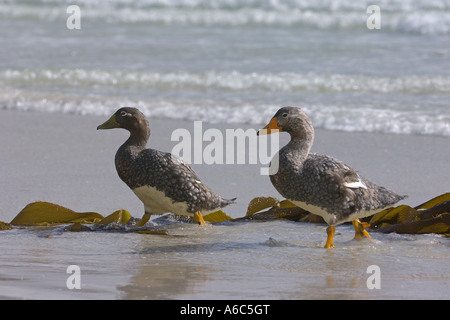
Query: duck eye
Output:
(123,114)
(284,115)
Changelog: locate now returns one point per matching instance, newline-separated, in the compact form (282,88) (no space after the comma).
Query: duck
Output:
(162,181)
(320,184)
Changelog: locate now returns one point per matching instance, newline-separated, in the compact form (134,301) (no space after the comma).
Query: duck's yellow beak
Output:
(111,123)
(270,128)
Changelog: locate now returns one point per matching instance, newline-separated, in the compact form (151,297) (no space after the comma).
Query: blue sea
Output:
(223,62)
(233,61)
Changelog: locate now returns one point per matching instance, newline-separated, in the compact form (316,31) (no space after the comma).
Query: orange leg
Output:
(359,229)
(199,218)
(330,233)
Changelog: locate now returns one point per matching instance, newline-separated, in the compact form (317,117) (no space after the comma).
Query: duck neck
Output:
(138,138)
(299,146)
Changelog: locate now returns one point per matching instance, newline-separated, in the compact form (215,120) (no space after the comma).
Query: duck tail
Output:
(226,202)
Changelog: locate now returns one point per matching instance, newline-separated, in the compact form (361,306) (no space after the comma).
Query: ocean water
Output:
(233,61)
(64,160)
(276,260)
(224,62)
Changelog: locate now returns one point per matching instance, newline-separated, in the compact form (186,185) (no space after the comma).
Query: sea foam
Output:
(410,16)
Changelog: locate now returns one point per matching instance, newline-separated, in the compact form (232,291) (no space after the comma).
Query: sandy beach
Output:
(62,158)
(378,99)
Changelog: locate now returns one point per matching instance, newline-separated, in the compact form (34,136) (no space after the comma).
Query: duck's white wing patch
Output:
(355,185)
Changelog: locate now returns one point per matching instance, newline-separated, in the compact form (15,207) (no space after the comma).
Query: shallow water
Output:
(245,260)
(270,260)
(226,63)
(233,61)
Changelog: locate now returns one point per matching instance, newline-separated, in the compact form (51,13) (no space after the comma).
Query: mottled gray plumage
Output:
(139,167)
(321,181)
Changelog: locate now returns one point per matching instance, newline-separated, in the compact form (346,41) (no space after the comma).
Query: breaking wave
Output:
(226,80)
(410,16)
(181,95)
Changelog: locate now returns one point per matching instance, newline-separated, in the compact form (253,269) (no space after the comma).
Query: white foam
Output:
(411,16)
(70,91)
(346,117)
(227,81)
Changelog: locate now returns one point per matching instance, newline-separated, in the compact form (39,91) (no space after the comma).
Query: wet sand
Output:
(63,159)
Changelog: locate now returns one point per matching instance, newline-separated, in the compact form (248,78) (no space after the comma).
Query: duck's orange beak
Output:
(270,128)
